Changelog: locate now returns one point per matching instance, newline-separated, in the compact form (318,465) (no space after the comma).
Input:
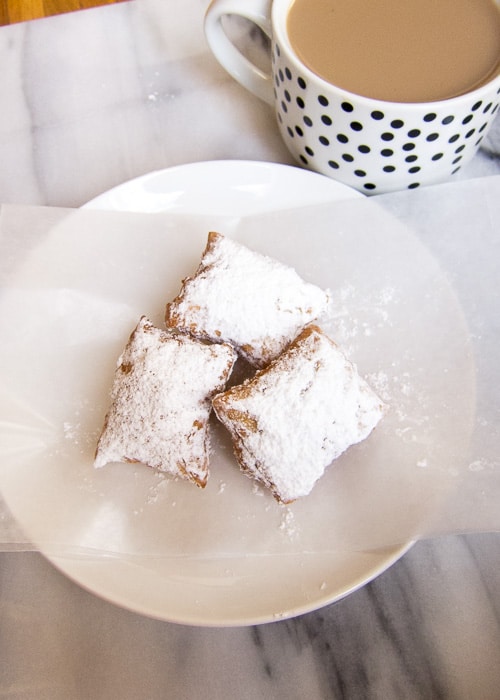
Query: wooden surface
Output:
(12,11)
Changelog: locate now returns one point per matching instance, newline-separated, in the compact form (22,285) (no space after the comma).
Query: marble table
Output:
(91,100)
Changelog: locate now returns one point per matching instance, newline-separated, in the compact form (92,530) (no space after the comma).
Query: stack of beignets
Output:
(304,406)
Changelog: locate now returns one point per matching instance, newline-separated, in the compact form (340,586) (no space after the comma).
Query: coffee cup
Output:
(371,142)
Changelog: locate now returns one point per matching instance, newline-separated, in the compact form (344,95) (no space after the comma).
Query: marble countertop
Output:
(90,100)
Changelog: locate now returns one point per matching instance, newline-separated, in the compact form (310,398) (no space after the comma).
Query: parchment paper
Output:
(415,283)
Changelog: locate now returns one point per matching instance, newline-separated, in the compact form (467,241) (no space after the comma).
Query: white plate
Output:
(226,555)
(227,188)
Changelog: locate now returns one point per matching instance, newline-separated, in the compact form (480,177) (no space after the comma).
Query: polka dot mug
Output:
(369,144)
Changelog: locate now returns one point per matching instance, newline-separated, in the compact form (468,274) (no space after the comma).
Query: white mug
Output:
(372,145)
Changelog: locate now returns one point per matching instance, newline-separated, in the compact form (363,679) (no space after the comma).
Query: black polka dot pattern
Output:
(371,149)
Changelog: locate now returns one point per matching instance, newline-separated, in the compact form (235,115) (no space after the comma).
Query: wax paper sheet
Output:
(414,279)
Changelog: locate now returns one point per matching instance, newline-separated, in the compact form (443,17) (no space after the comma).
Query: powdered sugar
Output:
(161,402)
(375,307)
(294,418)
(248,299)
(288,525)
(165,379)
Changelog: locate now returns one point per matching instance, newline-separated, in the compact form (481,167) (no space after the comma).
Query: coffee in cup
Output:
(411,51)
(376,121)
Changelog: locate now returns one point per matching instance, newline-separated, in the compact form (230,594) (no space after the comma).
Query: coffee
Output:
(398,50)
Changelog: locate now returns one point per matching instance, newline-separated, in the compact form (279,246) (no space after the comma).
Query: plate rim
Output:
(335,188)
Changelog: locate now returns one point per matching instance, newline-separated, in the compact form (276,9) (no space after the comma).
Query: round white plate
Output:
(228,554)
(224,187)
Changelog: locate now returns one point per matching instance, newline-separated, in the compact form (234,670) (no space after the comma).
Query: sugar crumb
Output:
(287,524)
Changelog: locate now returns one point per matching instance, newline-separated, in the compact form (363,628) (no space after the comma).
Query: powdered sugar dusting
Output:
(348,326)
(248,299)
(288,525)
(311,379)
(161,402)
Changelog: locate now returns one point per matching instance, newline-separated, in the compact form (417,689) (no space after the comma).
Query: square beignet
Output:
(291,420)
(247,299)
(161,402)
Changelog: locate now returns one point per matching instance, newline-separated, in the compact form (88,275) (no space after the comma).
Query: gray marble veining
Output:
(95,98)
(90,100)
(427,628)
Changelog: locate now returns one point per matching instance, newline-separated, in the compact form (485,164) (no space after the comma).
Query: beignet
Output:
(247,299)
(291,420)
(161,402)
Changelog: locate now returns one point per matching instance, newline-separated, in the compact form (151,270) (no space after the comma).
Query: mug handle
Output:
(235,63)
